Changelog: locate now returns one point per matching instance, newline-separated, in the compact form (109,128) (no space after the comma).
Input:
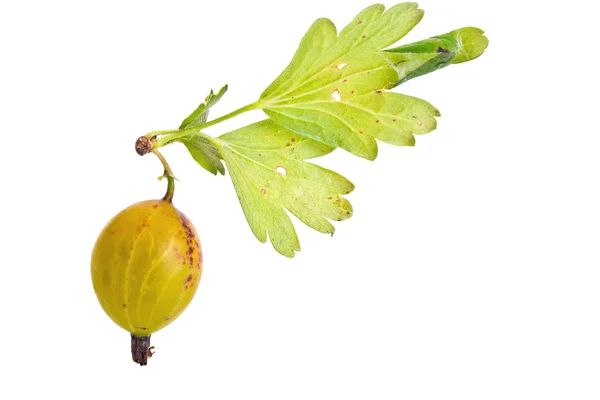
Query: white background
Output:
(470,268)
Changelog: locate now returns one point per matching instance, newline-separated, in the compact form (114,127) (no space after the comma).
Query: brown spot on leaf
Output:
(442,50)
(363,36)
(263,191)
(293,139)
(360,22)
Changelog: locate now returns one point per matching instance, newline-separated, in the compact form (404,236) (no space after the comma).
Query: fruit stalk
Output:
(167,174)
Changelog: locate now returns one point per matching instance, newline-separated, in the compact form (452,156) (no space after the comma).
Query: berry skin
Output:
(146,266)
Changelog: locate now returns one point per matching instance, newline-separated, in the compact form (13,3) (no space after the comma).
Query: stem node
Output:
(144,145)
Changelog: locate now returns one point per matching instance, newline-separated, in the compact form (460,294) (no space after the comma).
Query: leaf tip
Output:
(471,43)
(410,6)
(351,188)
(371,155)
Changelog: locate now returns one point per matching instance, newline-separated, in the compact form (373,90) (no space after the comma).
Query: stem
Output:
(158,133)
(232,114)
(169,136)
(167,174)
(178,135)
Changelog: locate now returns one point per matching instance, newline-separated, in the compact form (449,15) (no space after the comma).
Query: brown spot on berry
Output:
(189,278)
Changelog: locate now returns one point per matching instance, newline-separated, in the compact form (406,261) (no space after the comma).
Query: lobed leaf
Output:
(267,168)
(333,91)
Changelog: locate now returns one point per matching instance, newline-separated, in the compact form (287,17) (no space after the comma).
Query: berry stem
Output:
(167,174)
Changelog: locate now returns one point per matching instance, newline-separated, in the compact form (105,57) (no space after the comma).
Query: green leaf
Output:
(333,91)
(420,58)
(204,153)
(200,114)
(267,168)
